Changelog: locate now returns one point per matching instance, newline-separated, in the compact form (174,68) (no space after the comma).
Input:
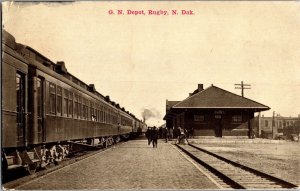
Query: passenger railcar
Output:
(45,108)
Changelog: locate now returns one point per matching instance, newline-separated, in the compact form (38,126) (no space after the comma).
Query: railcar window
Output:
(70,105)
(59,100)
(39,85)
(113,117)
(86,109)
(65,102)
(83,108)
(88,113)
(116,118)
(101,113)
(97,112)
(75,105)
(104,115)
(92,111)
(52,98)
(108,115)
(79,107)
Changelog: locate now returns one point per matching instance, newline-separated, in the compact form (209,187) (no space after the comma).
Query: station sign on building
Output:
(213,112)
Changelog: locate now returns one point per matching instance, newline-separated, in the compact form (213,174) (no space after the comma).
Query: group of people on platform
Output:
(152,136)
(180,134)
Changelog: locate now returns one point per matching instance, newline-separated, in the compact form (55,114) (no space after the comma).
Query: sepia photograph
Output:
(150,95)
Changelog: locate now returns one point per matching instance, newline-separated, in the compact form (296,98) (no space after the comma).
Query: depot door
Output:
(218,125)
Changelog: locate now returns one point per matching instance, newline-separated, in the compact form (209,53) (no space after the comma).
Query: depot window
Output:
(237,118)
(199,118)
(266,123)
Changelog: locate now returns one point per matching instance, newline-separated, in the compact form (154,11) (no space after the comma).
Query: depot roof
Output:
(215,97)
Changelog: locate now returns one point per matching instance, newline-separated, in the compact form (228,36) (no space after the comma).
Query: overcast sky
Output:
(142,60)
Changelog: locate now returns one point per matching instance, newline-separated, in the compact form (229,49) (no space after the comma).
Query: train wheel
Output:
(31,168)
(117,139)
(4,162)
(109,141)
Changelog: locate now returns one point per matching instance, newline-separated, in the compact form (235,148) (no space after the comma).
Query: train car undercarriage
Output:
(39,157)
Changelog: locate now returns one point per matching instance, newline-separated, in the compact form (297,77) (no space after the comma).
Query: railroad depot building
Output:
(213,112)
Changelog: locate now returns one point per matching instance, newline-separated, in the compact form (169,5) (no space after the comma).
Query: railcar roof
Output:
(10,41)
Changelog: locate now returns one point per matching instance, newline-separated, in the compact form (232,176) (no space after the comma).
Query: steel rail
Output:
(227,179)
(249,169)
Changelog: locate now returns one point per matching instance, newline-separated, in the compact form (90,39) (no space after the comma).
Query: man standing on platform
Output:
(166,134)
(154,136)
(148,135)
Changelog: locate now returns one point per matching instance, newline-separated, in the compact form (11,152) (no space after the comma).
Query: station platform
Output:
(130,165)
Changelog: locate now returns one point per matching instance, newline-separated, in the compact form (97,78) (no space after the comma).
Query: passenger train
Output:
(45,109)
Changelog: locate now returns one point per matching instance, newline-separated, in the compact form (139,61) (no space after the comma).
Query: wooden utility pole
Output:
(242,86)
(273,124)
(259,125)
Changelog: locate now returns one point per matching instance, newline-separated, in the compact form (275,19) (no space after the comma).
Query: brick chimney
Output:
(200,87)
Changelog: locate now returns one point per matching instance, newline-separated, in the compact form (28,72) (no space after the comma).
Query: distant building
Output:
(213,112)
(269,127)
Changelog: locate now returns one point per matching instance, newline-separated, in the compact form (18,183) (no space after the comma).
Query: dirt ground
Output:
(281,160)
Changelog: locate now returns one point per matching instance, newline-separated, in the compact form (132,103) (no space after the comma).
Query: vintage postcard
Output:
(150,95)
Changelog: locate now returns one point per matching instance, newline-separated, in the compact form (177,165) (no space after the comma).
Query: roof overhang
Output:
(169,115)
(255,109)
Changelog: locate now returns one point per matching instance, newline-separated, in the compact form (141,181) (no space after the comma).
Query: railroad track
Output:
(230,174)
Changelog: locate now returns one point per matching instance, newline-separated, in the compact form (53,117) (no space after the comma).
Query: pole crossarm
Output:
(242,86)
